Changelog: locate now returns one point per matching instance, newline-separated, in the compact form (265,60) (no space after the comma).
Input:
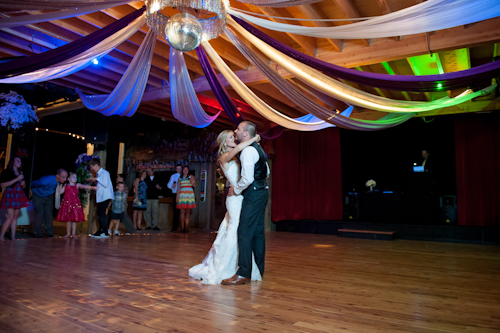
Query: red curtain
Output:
(307,178)
(477,150)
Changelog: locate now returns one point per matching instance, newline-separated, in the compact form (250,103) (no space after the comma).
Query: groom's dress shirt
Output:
(249,156)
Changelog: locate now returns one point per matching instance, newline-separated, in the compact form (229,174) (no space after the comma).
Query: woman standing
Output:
(13,198)
(140,199)
(185,197)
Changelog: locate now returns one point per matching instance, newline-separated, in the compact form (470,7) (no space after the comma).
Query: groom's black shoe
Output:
(236,279)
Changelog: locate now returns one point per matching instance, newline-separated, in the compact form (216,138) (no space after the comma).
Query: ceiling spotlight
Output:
(95,61)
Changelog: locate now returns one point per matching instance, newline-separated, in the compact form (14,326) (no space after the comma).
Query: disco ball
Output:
(183,32)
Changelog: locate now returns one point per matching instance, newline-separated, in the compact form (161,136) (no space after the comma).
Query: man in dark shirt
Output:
(152,194)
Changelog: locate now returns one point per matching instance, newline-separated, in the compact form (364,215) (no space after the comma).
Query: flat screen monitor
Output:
(418,168)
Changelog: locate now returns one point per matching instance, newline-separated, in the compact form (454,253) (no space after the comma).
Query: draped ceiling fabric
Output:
(185,104)
(218,89)
(255,102)
(127,95)
(347,93)
(16,21)
(29,5)
(293,93)
(73,49)
(279,3)
(430,15)
(447,81)
(80,61)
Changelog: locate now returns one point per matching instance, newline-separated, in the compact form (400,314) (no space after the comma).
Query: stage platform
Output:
(312,283)
(426,232)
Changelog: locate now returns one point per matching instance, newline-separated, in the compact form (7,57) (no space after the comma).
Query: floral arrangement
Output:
(371,184)
(14,111)
(82,173)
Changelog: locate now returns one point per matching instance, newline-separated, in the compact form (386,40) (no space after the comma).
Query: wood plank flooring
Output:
(313,283)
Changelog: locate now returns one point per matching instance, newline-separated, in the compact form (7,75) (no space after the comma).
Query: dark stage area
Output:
(440,233)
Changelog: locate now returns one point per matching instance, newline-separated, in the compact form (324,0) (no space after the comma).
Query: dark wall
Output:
(387,156)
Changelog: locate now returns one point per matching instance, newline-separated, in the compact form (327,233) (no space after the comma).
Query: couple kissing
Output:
(237,254)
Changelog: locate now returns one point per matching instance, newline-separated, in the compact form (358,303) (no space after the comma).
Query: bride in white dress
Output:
(221,261)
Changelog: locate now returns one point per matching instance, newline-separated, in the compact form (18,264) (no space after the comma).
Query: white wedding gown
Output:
(221,261)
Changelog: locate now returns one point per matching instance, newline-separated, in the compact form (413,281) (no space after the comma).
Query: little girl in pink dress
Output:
(71,210)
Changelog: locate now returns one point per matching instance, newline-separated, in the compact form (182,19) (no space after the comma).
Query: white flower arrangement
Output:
(371,183)
(14,110)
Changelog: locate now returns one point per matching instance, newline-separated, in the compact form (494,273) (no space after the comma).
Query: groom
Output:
(253,186)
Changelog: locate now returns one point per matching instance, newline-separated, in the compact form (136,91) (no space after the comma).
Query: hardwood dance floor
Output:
(313,283)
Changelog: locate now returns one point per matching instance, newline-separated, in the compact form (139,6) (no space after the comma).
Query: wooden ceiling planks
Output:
(457,49)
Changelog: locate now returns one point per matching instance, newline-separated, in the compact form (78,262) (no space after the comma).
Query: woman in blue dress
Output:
(140,199)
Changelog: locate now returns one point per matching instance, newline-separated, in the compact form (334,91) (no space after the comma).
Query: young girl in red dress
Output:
(71,210)
(12,179)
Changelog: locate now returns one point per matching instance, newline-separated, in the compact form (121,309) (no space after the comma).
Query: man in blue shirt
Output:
(43,201)
(172,184)
(104,195)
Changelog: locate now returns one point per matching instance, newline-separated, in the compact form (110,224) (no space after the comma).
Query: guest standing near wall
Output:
(13,199)
(43,199)
(172,185)
(153,192)
(140,198)
(185,197)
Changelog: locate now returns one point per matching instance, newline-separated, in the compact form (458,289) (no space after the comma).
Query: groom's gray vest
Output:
(260,171)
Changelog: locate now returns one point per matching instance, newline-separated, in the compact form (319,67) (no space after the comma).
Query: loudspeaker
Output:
(351,206)
(448,204)
(95,127)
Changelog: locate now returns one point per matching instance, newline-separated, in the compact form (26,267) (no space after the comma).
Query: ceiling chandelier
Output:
(197,21)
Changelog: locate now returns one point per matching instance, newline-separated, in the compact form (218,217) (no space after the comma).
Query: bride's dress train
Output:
(221,261)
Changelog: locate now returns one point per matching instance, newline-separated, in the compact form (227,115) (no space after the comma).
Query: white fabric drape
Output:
(430,15)
(126,97)
(29,5)
(82,60)
(293,93)
(255,102)
(16,21)
(186,107)
(346,93)
(279,3)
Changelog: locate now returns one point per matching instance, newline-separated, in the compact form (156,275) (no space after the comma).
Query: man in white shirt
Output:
(253,186)
(172,184)
(104,195)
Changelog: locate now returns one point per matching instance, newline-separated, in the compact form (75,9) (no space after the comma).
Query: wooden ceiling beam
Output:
(114,59)
(314,11)
(308,44)
(350,11)
(484,32)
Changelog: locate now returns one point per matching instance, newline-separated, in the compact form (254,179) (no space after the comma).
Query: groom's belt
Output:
(259,184)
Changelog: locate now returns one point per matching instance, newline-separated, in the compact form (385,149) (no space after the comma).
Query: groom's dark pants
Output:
(251,231)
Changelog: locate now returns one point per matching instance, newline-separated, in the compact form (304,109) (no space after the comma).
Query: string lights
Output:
(76,136)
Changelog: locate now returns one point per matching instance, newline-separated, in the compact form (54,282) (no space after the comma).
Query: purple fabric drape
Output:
(225,100)
(51,57)
(273,132)
(218,89)
(448,81)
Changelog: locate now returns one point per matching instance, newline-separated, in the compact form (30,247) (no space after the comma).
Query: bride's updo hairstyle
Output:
(221,141)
